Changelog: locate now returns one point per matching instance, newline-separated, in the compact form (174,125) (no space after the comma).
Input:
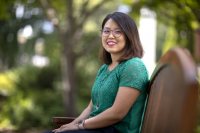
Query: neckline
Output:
(108,70)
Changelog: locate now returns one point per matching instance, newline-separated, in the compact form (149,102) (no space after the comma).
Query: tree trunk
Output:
(70,35)
(68,76)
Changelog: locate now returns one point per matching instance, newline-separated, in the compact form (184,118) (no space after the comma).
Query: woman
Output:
(119,91)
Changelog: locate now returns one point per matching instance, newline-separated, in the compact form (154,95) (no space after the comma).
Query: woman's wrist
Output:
(81,125)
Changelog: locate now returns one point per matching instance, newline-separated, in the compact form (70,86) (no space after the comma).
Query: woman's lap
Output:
(101,130)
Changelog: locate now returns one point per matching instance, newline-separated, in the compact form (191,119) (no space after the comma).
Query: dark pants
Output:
(100,130)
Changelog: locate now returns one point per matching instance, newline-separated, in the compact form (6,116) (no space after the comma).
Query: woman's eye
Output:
(106,31)
(118,32)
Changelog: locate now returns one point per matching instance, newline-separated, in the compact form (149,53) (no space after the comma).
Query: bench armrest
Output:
(59,121)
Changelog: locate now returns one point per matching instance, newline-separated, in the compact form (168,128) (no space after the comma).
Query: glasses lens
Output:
(105,32)
(115,33)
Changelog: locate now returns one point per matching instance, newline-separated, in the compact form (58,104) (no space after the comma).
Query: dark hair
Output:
(133,47)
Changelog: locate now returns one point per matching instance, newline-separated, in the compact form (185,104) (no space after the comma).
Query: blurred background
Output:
(49,52)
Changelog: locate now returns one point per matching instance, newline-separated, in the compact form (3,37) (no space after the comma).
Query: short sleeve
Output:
(100,70)
(134,74)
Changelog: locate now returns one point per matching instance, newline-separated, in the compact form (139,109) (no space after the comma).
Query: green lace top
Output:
(130,73)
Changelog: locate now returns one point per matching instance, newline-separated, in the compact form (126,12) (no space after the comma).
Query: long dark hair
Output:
(133,47)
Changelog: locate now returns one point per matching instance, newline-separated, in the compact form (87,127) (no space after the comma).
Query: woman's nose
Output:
(111,35)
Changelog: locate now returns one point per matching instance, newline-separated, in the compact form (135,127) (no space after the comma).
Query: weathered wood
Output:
(59,121)
(197,45)
(172,102)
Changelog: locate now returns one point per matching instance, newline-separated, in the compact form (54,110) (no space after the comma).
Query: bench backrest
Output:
(173,94)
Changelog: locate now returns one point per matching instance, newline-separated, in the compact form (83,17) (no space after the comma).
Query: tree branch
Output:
(84,6)
(88,13)
(50,12)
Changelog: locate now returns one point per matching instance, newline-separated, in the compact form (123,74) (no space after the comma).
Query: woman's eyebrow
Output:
(106,28)
(113,29)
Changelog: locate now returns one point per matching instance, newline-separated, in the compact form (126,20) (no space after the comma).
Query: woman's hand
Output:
(66,127)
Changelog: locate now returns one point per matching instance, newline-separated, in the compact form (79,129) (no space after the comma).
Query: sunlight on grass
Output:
(7,83)
(6,124)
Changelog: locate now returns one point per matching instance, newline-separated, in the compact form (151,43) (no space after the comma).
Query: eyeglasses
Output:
(116,33)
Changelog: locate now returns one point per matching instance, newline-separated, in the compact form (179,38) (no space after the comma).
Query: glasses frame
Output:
(114,32)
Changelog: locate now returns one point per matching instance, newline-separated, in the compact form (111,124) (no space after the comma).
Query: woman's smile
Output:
(111,42)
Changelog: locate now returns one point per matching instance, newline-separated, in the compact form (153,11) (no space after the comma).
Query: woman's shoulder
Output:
(134,64)
(102,68)
(135,61)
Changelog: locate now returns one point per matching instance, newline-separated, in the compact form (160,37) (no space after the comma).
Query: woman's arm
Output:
(125,98)
(74,124)
(85,114)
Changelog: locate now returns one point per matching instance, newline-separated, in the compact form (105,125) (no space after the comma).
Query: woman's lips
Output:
(111,43)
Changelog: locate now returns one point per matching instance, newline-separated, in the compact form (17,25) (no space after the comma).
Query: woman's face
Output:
(113,38)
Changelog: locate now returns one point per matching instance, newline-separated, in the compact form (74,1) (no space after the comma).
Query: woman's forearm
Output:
(106,118)
(85,114)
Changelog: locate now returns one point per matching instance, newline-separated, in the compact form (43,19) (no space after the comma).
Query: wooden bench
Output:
(173,94)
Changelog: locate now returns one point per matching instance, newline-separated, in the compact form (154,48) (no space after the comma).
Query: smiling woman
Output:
(113,39)
(119,92)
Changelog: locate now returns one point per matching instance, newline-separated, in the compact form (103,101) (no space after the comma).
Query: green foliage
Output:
(6,8)
(197,130)
(34,94)
(7,83)
(10,49)
(35,98)
(181,19)
(170,39)
(30,96)
(86,71)
(8,40)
